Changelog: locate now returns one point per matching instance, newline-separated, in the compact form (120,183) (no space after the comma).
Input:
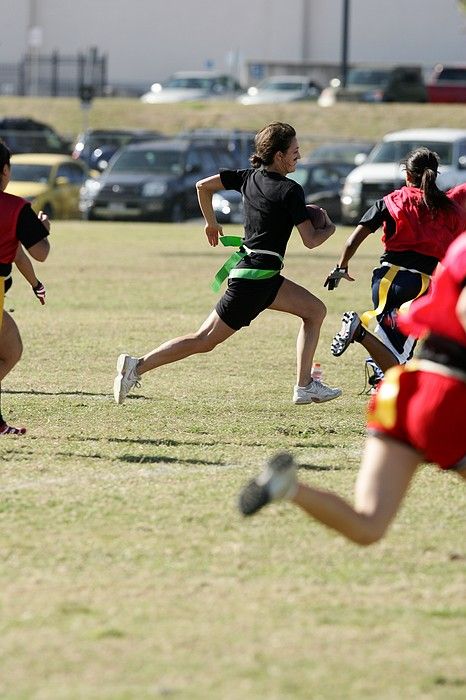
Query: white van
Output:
(382,171)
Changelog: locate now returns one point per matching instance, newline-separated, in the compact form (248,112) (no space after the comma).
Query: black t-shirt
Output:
(373,219)
(273,204)
(29,231)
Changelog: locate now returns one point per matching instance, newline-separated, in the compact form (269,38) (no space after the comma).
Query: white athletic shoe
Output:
(276,481)
(350,323)
(314,392)
(126,378)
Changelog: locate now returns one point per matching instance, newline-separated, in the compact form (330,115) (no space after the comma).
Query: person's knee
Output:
(369,531)
(317,314)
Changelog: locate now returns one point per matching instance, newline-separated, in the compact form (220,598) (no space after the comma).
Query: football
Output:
(316,215)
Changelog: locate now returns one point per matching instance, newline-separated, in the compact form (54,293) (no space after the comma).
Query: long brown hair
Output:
(270,140)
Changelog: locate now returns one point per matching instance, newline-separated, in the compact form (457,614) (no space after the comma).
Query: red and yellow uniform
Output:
(423,404)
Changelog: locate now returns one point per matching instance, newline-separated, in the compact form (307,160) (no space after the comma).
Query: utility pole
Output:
(345,42)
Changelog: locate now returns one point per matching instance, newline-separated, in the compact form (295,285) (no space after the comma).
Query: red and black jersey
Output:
(435,313)
(418,228)
(18,224)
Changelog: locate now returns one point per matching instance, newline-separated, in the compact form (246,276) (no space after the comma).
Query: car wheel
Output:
(176,213)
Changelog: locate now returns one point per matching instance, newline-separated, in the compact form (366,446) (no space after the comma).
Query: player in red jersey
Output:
(19,226)
(419,222)
(417,415)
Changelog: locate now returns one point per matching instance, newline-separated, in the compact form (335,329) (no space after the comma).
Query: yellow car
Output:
(49,181)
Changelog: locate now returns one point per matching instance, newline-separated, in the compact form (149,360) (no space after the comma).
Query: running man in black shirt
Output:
(273,205)
(19,226)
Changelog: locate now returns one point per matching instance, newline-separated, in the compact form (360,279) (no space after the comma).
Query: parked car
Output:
(447,84)
(96,146)
(26,135)
(240,144)
(281,88)
(152,180)
(193,85)
(50,182)
(322,183)
(352,152)
(377,84)
(382,171)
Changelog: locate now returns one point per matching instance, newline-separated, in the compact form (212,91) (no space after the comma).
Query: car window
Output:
(396,151)
(193,160)
(150,160)
(209,163)
(30,172)
(281,85)
(73,172)
(367,77)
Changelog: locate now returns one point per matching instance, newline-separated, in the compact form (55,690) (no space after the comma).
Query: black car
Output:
(152,181)
(240,144)
(96,146)
(322,184)
(26,135)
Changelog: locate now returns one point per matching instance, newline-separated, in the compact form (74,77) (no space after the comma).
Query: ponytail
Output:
(422,168)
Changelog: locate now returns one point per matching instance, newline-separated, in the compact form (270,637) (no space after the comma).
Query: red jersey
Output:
(436,311)
(417,229)
(10,208)
(458,194)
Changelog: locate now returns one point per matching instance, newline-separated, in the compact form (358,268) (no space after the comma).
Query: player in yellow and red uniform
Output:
(417,415)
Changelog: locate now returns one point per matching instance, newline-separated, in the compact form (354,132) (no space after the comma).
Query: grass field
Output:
(127,572)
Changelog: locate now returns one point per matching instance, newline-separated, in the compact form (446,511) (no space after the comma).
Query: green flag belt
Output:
(229,269)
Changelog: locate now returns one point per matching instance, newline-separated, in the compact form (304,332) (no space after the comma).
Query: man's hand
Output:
(39,291)
(333,279)
(213,233)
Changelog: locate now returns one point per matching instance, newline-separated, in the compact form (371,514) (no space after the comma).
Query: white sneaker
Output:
(276,481)
(314,392)
(350,323)
(126,378)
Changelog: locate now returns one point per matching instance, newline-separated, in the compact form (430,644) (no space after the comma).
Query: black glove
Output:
(333,280)
(39,291)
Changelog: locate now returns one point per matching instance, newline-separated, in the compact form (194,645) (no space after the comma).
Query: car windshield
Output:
(189,83)
(30,172)
(152,161)
(396,151)
(340,153)
(280,85)
(359,76)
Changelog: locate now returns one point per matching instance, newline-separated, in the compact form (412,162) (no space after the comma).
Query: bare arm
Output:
(40,250)
(25,266)
(205,189)
(313,237)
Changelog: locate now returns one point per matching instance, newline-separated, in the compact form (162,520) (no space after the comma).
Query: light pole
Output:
(344,42)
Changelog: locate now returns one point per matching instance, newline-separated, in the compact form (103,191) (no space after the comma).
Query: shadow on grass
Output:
(163,459)
(34,392)
(320,467)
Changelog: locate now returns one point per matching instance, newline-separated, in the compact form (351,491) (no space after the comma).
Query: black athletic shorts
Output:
(244,300)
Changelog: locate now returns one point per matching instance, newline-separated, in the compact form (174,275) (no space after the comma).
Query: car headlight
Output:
(153,189)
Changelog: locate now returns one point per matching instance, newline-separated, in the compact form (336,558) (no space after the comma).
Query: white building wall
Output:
(146,40)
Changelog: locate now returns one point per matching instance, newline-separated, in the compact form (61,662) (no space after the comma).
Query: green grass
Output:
(127,572)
